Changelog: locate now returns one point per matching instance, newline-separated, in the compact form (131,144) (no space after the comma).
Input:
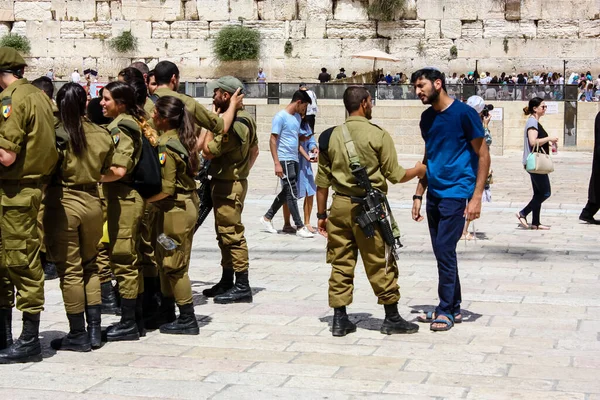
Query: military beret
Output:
(227,83)
(10,59)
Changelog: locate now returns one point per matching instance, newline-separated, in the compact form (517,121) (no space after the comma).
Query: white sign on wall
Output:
(552,107)
(497,114)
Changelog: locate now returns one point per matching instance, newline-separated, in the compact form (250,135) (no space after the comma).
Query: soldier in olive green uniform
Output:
(232,155)
(178,204)
(125,208)
(376,151)
(28,156)
(73,217)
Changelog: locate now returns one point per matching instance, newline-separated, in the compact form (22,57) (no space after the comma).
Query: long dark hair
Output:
(123,93)
(135,79)
(71,99)
(533,103)
(173,110)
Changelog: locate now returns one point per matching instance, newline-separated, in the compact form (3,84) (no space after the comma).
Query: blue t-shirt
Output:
(287,129)
(451,161)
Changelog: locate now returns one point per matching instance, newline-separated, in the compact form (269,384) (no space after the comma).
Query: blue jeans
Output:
(446,221)
(541,192)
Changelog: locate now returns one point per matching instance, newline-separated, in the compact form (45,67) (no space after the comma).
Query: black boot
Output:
(152,296)
(6,339)
(222,286)
(239,293)
(49,268)
(77,339)
(586,217)
(93,314)
(164,315)
(109,299)
(341,323)
(139,315)
(394,323)
(186,324)
(27,347)
(126,329)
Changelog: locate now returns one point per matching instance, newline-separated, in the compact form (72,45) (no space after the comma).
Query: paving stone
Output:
(164,388)
(294,369)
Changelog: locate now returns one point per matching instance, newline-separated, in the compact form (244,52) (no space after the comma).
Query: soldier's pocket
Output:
(19,220)
(228,234)
(123,245)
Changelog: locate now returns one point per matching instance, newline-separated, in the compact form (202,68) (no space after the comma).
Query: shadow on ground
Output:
(467,316)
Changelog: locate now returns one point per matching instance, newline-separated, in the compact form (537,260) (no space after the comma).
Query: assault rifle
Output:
(203,191)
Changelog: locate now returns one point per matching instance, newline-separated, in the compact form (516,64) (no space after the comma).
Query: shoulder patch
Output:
(162,158)
(116,137)
(6,107)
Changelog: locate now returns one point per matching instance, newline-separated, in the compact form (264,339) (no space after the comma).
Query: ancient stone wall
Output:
(504,35)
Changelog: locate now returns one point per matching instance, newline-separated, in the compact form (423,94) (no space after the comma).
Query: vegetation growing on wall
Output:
(453,52)
(237,43)
(124,42)
(17,42)
(385,10)
(289,47)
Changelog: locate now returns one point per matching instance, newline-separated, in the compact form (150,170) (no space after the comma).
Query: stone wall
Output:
(504,35)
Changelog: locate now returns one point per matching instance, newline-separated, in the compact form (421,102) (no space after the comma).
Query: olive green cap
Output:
(227,83)
(10,59)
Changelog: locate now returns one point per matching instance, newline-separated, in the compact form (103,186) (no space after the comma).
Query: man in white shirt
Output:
(75,77)
(312,109)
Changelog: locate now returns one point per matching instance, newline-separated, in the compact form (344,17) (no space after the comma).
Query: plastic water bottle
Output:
(554,148)
(166,242)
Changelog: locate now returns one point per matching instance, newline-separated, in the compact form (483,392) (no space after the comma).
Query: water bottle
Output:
(554,148)
(166,242)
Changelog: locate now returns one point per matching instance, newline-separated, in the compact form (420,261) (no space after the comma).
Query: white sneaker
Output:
(304,233)
(267,225)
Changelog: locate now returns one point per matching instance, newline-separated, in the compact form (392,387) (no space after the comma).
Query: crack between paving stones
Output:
(97,384)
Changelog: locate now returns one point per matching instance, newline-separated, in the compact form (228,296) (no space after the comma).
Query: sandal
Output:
(467,236)
(430,317)
(448,322)
(522,221)
(310,228)
(540,227)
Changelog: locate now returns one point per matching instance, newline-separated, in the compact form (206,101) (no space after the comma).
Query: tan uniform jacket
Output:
(127,138)
(232,150)
(27,128)
(377,154)
(173,159)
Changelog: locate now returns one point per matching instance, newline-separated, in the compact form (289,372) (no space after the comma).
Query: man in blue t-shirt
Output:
(284,143)
(458,162)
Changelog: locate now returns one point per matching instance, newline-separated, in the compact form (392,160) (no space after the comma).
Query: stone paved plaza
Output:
(531,308)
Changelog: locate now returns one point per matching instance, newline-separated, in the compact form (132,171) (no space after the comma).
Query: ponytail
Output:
(71,99)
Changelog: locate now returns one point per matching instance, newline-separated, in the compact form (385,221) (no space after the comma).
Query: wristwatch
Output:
(322,215)
(417,197)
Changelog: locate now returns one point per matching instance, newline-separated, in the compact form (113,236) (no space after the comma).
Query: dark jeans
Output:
(541,191)
(446,221)
(288,194)
(590,209)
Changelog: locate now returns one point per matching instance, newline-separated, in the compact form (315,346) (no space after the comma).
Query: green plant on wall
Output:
(288,48)
(385,10)
(421,48)
(124,42)
(237,43)
(453,52)
(505,44)
(16,41)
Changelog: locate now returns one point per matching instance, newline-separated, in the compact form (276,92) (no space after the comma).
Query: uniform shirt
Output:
(27,128)
(96,160)
(128,145)
(375,149)
(232,150)
(451,160)
(173,166)
(287,129)
(203,118)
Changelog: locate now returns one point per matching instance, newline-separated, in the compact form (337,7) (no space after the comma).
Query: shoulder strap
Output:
(128,125)
(349,143)
(62,138)
(177,147)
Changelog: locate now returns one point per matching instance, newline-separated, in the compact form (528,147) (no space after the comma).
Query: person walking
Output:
(73,217)
(28,156)
(312,109)
(536,139)
(593,203)
(231,156)
(458,162)
(345,238)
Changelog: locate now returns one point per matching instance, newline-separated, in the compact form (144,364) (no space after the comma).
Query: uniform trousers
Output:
(73,221)
(20,265)
(345,240)
(103,258)
(228,203)
(147,240)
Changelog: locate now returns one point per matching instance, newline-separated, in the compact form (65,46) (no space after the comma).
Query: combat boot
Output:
(5,328)
(341,325)
(93,314)
(49,267)
(152,296)
(77,339)
(222,286)
(239,293)
(139,315)
(27,347)
(126,329)
(109,299)
(186,324)
(164,315)
(394,323)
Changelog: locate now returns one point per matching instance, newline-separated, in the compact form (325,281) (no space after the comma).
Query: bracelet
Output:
(322,215)
(417,197)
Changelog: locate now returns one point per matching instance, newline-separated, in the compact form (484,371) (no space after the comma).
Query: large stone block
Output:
(430,9)
(215,26)
(116,11)
(161,30)
(438,49)
(350,10)
(88,48)
(32,11)
(197,29)
(213,10)
(4,28)
(296,29)
(103,10)
(152,10)
(589,28)
(59,9)
(141,29)
(82,10)
(351,30)
(7,11)
(97,30)
(190,10)
(472,29)
(243,9)
(119,27)
(451,28)
(432,29)
(558,29)
(495,28)
(306,49)
(315,9)
(188,48)
(459,9)
(268,29)
(281,10)
(316,29)
(71,30)
(581,9)
(354,46)
(152,48)
(401,29)
(19,28)
(109,67)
